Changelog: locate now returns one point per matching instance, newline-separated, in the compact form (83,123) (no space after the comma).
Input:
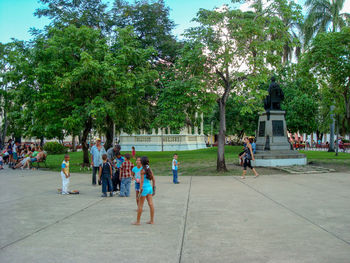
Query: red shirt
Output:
(126,169)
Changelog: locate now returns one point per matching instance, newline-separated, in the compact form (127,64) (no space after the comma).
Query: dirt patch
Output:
(338,165)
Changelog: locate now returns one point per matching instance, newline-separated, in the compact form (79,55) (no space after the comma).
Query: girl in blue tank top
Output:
(147,191)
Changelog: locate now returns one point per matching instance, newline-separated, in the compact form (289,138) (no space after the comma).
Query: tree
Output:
(323,16)
(151,23)
(290,14)
(241,120)
(182,92)
(238,56)
(301,98)
(90,13)
(329,59)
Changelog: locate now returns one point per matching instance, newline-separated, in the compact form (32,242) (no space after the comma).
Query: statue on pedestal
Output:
(274,99)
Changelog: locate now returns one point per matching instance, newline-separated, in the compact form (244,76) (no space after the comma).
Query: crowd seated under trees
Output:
(22,155)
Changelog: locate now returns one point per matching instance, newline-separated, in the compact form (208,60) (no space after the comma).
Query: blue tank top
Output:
(146,182)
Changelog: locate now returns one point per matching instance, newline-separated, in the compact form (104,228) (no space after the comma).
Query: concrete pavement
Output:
(277,218)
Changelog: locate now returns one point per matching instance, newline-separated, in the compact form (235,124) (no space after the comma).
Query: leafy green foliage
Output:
(151,23)
(301,98)
(241,49)
(183,93)
(329,60)
(323,16)
(55,148)
(90,13)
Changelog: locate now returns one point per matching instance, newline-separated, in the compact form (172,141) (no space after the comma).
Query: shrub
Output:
(55,148)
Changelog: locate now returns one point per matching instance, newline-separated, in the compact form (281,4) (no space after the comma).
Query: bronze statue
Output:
(275,97)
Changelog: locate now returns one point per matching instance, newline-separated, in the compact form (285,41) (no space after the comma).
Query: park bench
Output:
(41,161)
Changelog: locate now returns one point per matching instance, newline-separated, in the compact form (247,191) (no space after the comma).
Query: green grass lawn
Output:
(197,162)
(340,163)
(160,161)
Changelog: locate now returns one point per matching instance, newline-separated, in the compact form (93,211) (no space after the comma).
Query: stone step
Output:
(286,154)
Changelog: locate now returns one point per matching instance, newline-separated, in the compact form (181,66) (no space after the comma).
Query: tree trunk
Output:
(74,148)
(109,133)
(41,141)
(88,125)
(285,57)
(4,132)
(221,166)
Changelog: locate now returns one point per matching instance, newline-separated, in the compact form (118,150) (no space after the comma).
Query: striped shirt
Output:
(126,169)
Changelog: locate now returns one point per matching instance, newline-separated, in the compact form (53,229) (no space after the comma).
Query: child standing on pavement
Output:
(136,173)
(118,164)
(125,176)
(175,165)
(65,174)
(105,175)
(147,190)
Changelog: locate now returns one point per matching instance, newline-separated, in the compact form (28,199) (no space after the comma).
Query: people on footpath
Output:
(147,191)
(96,158)
(105,176)
(117,164)
(112,154)
(65,175)
(175,167)
(248,156)
(136,175)
(125,176)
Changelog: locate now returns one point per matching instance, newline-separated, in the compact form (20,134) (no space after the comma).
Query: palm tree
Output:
(323,16)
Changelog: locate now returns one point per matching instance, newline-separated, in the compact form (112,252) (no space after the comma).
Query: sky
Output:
(17,16)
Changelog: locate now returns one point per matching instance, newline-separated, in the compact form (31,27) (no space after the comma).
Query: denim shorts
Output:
(33,160)
(147,191)
(137,186)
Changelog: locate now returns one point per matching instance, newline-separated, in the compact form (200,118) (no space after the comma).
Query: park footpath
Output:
(277,218)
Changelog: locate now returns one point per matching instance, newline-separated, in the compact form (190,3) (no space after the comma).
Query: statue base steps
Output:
(279,158)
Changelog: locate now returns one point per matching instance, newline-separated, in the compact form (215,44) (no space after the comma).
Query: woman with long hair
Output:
(146,190)
(248,156)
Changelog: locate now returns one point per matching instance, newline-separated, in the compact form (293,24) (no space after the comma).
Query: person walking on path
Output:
(248,156)
(147,191)
(175,167)
(96,158)
(105,175)
(65,175)
(125,176)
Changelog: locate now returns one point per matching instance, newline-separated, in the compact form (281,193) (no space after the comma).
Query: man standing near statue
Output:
(96,158)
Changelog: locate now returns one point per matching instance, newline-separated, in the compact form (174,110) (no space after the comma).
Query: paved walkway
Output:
(279,218)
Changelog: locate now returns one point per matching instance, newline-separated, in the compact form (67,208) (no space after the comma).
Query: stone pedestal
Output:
(272,146)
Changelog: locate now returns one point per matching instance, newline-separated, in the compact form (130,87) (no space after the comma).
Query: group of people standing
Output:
(116,172)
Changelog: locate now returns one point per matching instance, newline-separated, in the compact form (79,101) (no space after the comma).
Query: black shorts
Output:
(247,163)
